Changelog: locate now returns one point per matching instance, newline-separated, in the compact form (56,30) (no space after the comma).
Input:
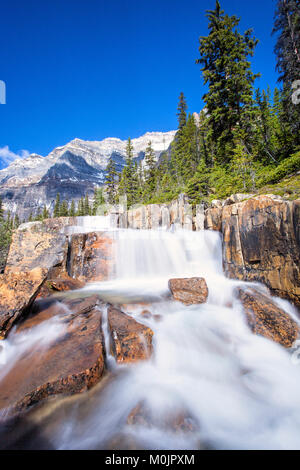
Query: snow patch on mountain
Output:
(72,170)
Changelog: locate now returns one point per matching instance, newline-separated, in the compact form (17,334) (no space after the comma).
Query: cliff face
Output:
(261,242)
(71,170)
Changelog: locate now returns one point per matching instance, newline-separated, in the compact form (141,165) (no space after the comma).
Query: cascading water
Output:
(232,389)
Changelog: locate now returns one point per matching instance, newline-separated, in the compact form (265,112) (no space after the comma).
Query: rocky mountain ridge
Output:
(71,170)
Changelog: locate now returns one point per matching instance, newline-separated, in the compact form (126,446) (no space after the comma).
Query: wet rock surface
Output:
(72,363)
(130,341)
(91,257)
(178,421)
(261,242)
(37,244)
(17,292)
(265,318)
(62,284)
(189,291)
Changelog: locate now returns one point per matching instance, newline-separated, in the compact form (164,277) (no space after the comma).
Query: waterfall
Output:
(235,390)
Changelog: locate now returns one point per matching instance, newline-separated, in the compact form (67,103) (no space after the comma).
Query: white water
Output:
(88,224)
(27,342)
(239,390)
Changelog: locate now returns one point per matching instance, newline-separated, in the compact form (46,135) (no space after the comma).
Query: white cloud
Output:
(7,156)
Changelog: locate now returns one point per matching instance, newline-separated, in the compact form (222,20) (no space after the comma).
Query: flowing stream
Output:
(210,382)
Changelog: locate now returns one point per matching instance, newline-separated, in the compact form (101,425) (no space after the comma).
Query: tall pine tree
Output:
(56,212)
(287,48)
(111,182)
(150,173)
(224,62)
(181,111)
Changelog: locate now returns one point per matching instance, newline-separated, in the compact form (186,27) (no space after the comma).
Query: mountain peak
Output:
(72,170)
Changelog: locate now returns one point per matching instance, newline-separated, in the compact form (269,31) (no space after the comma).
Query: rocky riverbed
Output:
(75,307)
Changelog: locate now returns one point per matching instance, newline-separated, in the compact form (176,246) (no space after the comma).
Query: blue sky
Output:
(108,68)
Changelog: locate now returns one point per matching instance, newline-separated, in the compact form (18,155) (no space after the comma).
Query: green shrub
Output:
(285,168)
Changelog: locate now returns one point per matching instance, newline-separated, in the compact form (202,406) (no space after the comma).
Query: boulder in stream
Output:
(71,362)
(61,284)
(37,244)
(175,420)
(265,318)
(130,341)
(91,257)
(189,291)
(17,292)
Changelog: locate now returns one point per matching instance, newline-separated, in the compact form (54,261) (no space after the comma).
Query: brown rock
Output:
(261,239)
(130,341)
(146,314)
(91,256)
(189,291)
(65,283)
(235,198)
(176,421)
(265,318)
(17,292)
(213,219)
(71,364)
(36,245)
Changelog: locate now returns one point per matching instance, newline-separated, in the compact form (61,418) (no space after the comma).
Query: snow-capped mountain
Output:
(71,170)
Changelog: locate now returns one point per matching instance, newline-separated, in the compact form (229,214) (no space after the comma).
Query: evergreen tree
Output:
(56,212)
(45,213)
(150,174)
(199,184)
(72,209)
(1,209)
(266,128)
(38,216)
(86,205)
(16,221)
(80,209)
(287,49)
(111,182)
(226,69)
(181,111)
(129,181)
(98,202)
(64,209)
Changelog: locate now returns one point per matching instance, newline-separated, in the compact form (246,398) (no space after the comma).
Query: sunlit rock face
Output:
(261,243)
(71,170)
(265,318)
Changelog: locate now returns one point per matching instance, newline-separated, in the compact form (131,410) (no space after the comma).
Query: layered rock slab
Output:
(17,292)
(265,318)
(130,341)
(261,242)
(38,244)
(38,251)
(189,291)
(62,284)
(72,362)
(91,256)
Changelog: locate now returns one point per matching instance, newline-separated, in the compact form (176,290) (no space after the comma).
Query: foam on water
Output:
(27,342)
